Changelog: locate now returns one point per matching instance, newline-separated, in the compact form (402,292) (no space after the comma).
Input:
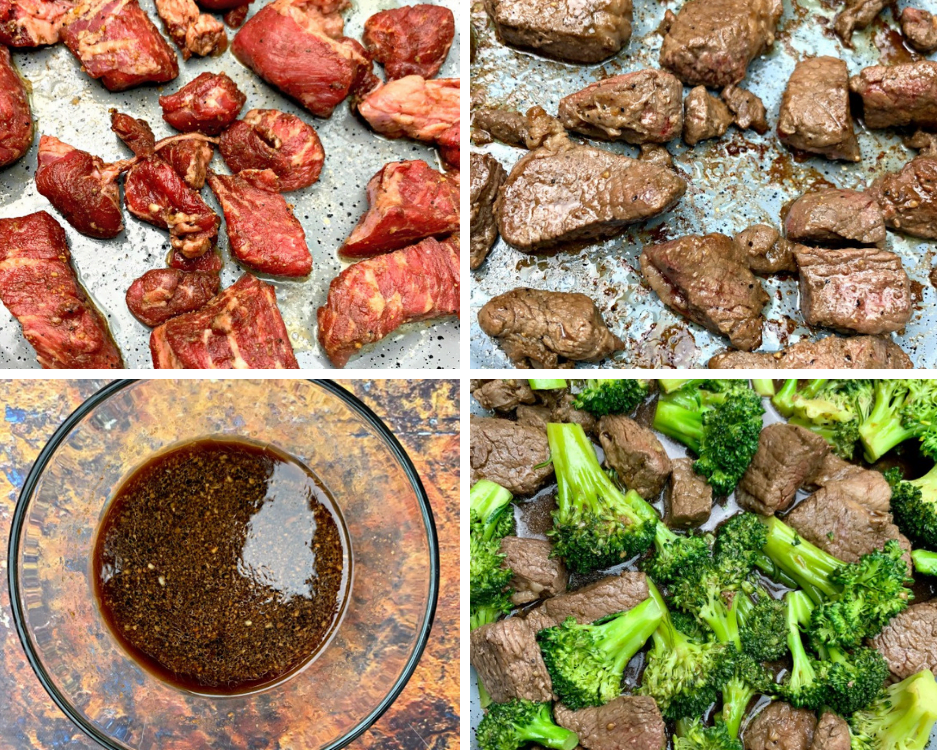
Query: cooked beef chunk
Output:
(532,416)
(920,28)
(508,661)
(566,192)
(711,42)
(689,497)
(835,468)
(923,141)
(535,573)
(636,454)
(815,110)
(547,329)
(509,454)
(901,95)
(832,733)
(503,395)
(854,290)
(748,108)
(612,594)
(561,404)
(702,278)
(707,117)
(909,641)
(656,154)
(486,176)
(787,456)
(586,31)
(780,727)
(511,127)
(626,723)
(765,251)
(858,14)
(829,216)
(830,353)
(638,107)
(909,197)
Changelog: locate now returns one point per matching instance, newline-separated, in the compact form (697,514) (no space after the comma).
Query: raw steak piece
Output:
(815,110)
(919,27)
(748,108)
(134,132)
(407,201)
(414,107)
(858,14)
(208,263)
(854,290)
(221,6)
(448,145)
(235,17)
(190,158)
(195,33)
(373,298)
(116,42)
(263,232)
(241,327)
(903,95)
(208,104)
(301,50)
(413,40)
(830,216)
(16,121)
(31,23)
(279,141)
(705,280)
(80,186)
(548,329)
(909,197)
(707,117)
(830,353)
(163,294)
(39,287)
(486,176)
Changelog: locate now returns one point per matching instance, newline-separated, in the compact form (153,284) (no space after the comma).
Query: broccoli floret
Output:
(491,519)
(925,562)
(902,409)
(611,396)
(901,719)
(748,678)
(806,687)
(854,678)
(696,736)
(763,629)
(596,525)
(547,384)
(914,505)
(490,508)
(509,726)
(720,421)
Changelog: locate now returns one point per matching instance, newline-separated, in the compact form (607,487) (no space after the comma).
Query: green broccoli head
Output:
(509,726)
(491,509)
(832,408)
(696,736)
(903,409)
(491,611)
(763,630)
(899,719)
(612,396)
(491,519)
(854,679)
(914,505)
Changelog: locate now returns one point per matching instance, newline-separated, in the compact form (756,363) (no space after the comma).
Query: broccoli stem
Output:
(883,430)
(545,732)
(763,386)
(809,566)
(487,499)
(681,423)
(783,401)
(798,613)
(547,384)
(902,719)
(925,562)
(629,632)
(669,385)
(736,694)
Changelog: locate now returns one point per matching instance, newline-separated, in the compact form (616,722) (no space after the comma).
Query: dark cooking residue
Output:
(220,566)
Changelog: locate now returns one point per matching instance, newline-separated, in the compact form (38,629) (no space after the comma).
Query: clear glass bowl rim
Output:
(353,403)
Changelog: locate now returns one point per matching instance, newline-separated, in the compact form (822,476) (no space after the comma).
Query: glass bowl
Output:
(393,579)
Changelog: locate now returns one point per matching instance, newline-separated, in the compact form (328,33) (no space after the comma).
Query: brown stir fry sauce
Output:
(220,565)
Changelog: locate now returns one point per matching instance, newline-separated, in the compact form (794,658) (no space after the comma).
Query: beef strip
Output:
(780,727)
(702,278)
(854,290)
(638,107)
(901,95)
(830,353)
(547,329)
(612,594)
(832,733)
(508,661)
(920,28)
(707,117)
(16,119)
(626,723)
(636,454)
(815,110)
(689,497)
(509,454)
(858,14)
(765,251)
(535,573)
(509,126)
(909,197)
(486,175)
(787,455)
(747,107)
(832,216)
(656,154)
(909,641)
(503,394)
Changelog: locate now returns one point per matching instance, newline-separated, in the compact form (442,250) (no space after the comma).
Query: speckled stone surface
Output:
(424,415)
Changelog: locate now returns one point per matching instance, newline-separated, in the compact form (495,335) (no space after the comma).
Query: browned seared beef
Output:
(508,661)
(829,216)
(923,141)
(815,110)
(627,723)
(832,733)
(511,127)
(787,456)
(909,641)
(748,108)
(508,454)
(635,453)
(503,394)
(711,42)
(704,279)
(853,290)
(765,251)
(858,14)
(830,353)
(909,197)
(486,175)
(689,497)
(547,329)
(900,95)
(638,107)
(833,468)
(532,416)
(565,192)
(535,573)
(707,117)
(561,404)
(615,593)
(920,28)
(780,727)
(656,154)
(585,31)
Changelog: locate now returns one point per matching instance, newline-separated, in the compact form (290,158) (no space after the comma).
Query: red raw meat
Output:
(134,132)
(190,158)
(16,121)
(279,141)
(414,107)
(298,47)
(163,294)
(239,328)
(31,23)
(209,104)
(373,298)
(116,42)
(208,263)
(413,40)
(235,17)
(449,146)
(40,288)
(195,33)
(82,187)
(263,232)
(407,202)
(223,5)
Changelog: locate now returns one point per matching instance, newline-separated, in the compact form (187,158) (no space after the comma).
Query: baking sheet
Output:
(73,107)
(742,179)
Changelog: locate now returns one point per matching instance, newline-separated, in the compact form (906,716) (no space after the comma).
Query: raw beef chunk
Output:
(31,23)
(16,121)
(195,33)
(208,104)
(163,294)
(190,159)
(413,40)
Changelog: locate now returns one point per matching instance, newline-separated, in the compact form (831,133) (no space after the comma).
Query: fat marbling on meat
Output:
(162,294)
(900,95)
(189,157)
(412,40)
(31,23)
(16,120)
(193,32)
(208,104)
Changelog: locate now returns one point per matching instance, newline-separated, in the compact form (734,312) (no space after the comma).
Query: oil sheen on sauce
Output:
(221,566)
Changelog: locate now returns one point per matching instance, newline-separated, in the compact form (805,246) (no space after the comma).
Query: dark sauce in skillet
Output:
(221,566)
